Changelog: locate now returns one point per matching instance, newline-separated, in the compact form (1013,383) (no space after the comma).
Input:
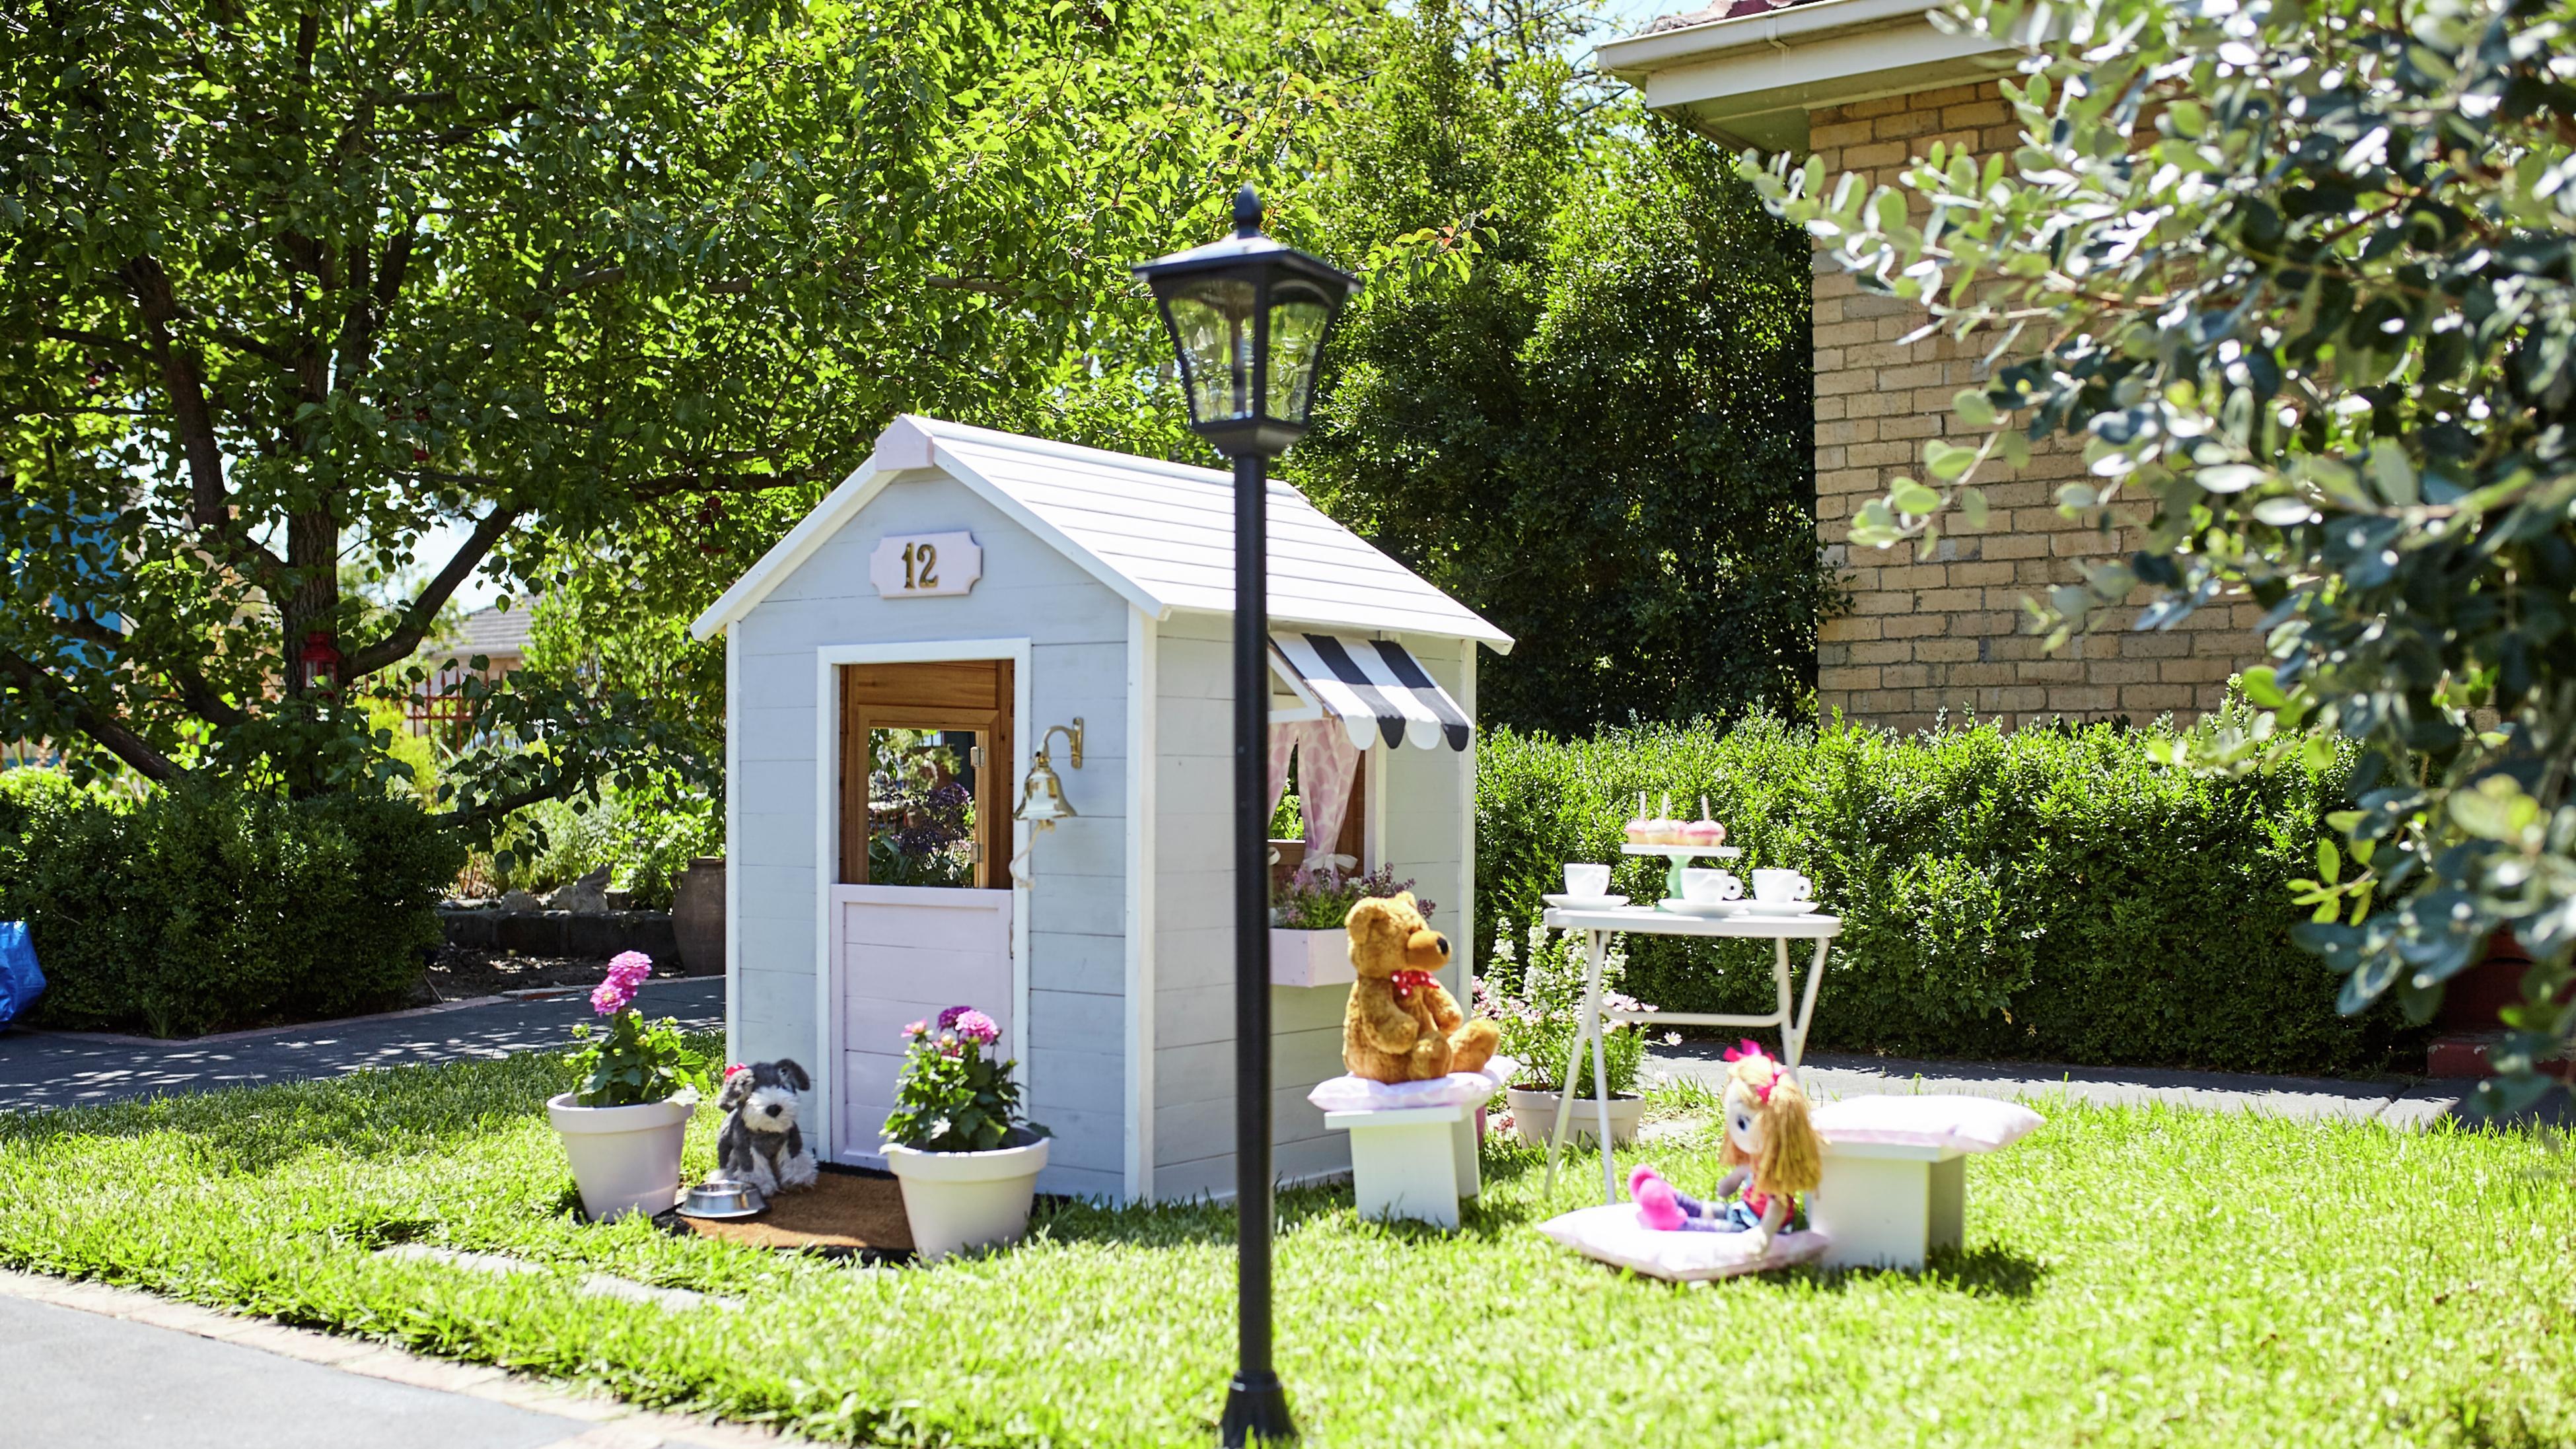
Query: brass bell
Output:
(1042,801)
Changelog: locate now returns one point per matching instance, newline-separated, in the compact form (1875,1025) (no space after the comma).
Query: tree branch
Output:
(194,692)
(693,480)
(99,725)
(98,340)
(183,376)
(406,636)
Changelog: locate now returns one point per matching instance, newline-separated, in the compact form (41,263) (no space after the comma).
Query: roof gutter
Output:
(1752,79)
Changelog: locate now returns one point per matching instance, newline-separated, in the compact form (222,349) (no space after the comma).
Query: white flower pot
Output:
(624,1159)
(1534,1117)
(958,1200)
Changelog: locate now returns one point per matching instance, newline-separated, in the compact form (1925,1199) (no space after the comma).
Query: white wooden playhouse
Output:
(893,667)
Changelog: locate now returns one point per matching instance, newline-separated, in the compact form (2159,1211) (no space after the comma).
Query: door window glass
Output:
(922,810)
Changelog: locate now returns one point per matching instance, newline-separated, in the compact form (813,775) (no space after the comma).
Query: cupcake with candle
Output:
(1704,832)
(1640,830)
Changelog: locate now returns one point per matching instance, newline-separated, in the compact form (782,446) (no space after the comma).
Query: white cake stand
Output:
(1681,856)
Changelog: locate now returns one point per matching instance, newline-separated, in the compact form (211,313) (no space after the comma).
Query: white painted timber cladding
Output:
(1161,534)
(1193,1067)
(1077,629)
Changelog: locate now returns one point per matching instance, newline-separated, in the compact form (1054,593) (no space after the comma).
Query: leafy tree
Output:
(281,288)
(2302,276)
(1595,430)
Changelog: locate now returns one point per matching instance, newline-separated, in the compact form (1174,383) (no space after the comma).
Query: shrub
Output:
(2047,893)
(646,837)
(201,907)
(1539,1003)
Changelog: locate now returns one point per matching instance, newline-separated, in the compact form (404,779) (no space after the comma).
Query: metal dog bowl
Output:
(722,1197)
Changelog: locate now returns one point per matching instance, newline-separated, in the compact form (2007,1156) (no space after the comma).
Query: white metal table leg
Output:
(1598,947)
(1793,1035)
(1565,1097)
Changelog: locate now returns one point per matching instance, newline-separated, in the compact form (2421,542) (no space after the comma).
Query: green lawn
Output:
(2132,1276)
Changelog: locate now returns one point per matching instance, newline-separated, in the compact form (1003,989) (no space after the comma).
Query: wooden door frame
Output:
(994,779)
(828,660)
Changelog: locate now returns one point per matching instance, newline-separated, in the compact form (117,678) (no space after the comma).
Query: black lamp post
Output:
(1249,318)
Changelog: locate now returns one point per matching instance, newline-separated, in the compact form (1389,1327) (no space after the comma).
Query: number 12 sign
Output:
(925,565)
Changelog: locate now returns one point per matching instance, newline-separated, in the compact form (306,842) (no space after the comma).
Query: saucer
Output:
(1705,909)
(1778,908)
(1585,903)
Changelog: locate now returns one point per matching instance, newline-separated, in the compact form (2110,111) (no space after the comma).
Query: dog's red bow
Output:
(1405,982)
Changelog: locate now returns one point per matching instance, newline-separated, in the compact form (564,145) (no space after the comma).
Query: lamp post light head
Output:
(1248,317)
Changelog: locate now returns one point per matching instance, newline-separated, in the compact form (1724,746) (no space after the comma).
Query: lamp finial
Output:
(1247,212)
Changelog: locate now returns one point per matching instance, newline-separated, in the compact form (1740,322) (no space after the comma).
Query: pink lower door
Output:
(902,954)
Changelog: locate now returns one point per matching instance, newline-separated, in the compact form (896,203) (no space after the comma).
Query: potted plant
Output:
(1539,1014)
(968,1164)
(623,1126)
(1308,946)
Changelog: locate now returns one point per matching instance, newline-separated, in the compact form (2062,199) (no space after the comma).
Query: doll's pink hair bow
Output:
(1747,1048)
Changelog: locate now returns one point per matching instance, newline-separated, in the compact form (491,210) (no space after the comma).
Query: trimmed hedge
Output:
(199,908)
(2047,894)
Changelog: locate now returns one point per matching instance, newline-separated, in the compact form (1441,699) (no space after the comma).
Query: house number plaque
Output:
(925,565)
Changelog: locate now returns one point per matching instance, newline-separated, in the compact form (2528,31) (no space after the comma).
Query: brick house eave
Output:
(1751,80)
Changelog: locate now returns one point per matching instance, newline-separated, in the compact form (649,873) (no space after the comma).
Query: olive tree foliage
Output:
(287,286)
(2302,277)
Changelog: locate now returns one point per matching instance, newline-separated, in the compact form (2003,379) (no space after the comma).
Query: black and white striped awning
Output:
(1374,687)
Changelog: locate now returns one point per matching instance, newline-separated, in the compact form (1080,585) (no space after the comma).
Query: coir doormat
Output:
(845,1213)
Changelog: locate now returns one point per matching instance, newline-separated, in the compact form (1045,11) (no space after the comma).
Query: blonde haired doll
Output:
(1772,1155)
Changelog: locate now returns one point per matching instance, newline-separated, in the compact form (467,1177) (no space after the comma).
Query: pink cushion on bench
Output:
(1969,1124)
(1458,1089)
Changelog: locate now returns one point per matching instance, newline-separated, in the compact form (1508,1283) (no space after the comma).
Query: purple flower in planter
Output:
(967,1022)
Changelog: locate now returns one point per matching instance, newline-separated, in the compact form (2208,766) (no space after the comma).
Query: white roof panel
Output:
(1162,534)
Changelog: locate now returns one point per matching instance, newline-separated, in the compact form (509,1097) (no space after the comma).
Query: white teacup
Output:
(1587,882)
(1708,887)
(1781,885)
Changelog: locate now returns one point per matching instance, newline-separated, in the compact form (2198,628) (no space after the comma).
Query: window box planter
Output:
(624,1159)
(959,1200)
(1310,958)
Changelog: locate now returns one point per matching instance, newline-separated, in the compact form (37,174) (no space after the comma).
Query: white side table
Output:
(1599,926)
(1889,1205)
(1412,1162)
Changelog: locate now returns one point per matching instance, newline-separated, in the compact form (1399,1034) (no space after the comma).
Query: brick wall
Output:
(1945,630)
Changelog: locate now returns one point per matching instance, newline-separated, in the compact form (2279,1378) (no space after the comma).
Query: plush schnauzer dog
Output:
(760,1142)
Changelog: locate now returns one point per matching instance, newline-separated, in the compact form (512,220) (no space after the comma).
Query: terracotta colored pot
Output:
(2471,999)
(698,916)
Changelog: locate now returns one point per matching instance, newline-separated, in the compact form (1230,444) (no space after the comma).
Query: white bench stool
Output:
(1895,1184)
(1412,1162)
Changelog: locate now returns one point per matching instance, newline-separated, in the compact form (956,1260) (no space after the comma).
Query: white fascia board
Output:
(1755,77)
(905,446)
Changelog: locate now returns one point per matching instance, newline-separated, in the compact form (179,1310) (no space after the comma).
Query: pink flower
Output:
(918,1028)
(626,972)
(971,1024)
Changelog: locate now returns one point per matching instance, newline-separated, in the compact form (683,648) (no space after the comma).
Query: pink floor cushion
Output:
(1969,1124)
(1458,1089)
(1613,1235)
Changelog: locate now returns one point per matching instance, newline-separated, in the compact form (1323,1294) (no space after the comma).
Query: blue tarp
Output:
(20,982)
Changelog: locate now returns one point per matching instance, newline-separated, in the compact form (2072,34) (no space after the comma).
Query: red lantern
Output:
(321,662)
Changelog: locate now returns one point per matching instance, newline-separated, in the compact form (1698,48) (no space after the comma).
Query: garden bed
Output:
(2131,1275)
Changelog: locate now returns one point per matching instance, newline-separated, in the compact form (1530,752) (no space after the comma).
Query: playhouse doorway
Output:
(920,913)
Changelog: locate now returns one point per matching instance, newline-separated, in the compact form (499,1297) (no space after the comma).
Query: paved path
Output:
(108,1368)
(70,1069)
(2402,1102)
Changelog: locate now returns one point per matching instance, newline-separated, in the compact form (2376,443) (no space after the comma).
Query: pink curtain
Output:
(1330,762)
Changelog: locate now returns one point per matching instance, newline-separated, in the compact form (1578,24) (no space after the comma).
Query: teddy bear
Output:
(1402,1025)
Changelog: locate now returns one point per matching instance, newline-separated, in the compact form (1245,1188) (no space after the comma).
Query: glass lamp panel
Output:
(1298,319)
(1212,326)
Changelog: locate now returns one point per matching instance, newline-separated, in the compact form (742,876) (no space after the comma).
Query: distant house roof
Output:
(498,632)
(1160,534)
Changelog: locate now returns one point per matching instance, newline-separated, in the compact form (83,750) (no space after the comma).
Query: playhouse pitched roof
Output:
(1160,534)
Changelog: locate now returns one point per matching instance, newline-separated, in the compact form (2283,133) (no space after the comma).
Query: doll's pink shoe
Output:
(1654,1199)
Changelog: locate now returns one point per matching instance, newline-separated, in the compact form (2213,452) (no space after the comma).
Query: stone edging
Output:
(615,1423)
